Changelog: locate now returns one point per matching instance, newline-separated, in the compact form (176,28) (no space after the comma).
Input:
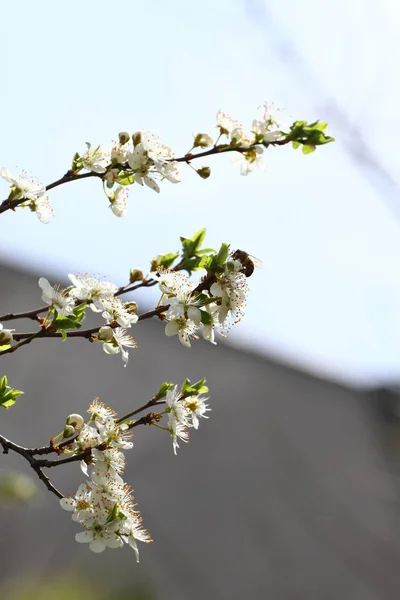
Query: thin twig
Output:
(187,158)
(27,454)
(84,333)
(67,178)
(27,339)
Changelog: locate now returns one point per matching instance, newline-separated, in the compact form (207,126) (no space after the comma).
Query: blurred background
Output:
(291,490)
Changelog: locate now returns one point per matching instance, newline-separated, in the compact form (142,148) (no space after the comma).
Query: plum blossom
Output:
(250,159)
(123,313)
(90,288)
(96,159)
(197,407)
(41,206)
(184,328)
(119,201)
(225,123)
(27,188)
(59,299)
(121,340)
(100,411)
(267,127)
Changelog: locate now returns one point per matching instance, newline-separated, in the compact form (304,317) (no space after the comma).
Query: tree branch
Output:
(27,454)
(187,158)
(67,178)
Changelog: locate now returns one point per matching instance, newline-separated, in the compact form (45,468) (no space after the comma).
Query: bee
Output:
(248,262)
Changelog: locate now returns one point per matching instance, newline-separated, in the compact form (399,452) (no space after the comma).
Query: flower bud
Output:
(69,431)
(131,307)
(202,140)
(204,172)
(6,337)
(155,262)
(124,137)
(105,334)
(75,420)
(135,275)
(137,138)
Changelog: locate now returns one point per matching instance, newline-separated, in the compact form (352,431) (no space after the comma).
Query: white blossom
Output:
(96,159)
(88,438)
(267,127)
(41,206)
(225,123)
(120,153)
(90,288)
(121,341)
(239,137)
(119,201)
(172,283)
(81,504)
(28,188)
(110,461)
(115,435)
(184,328)
(178,431)
(183,306)
(99,411)
(60,300)
(250,159)
(231,288)
(116,310)
(101,534)
(197,407)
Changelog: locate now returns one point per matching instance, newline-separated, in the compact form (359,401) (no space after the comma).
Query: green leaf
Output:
(165,387)
(6,347)
(317,125)
(191,246)
(205,317)
(308,148)
(76,164)
(189,389)
(61,323)
(3,383)
(205,251)
(125,178)
(167,259)
(295,144)
(198,238)
(219,259)
(8,395)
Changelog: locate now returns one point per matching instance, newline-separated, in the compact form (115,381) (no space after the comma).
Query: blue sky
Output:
(326,227)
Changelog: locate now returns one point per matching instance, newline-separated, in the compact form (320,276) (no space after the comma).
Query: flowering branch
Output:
(103,505)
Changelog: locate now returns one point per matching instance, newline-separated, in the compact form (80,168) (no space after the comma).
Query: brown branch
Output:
(187,158)
(67,178)
(27,339)
(85,333)
(32,314)
(27,454)
(224,148)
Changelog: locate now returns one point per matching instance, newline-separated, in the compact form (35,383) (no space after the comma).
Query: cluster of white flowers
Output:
(104,504)
(101,298)
(215,309)
(184,413)
(265,129)
(142,155)
(24,187)
(141,158)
